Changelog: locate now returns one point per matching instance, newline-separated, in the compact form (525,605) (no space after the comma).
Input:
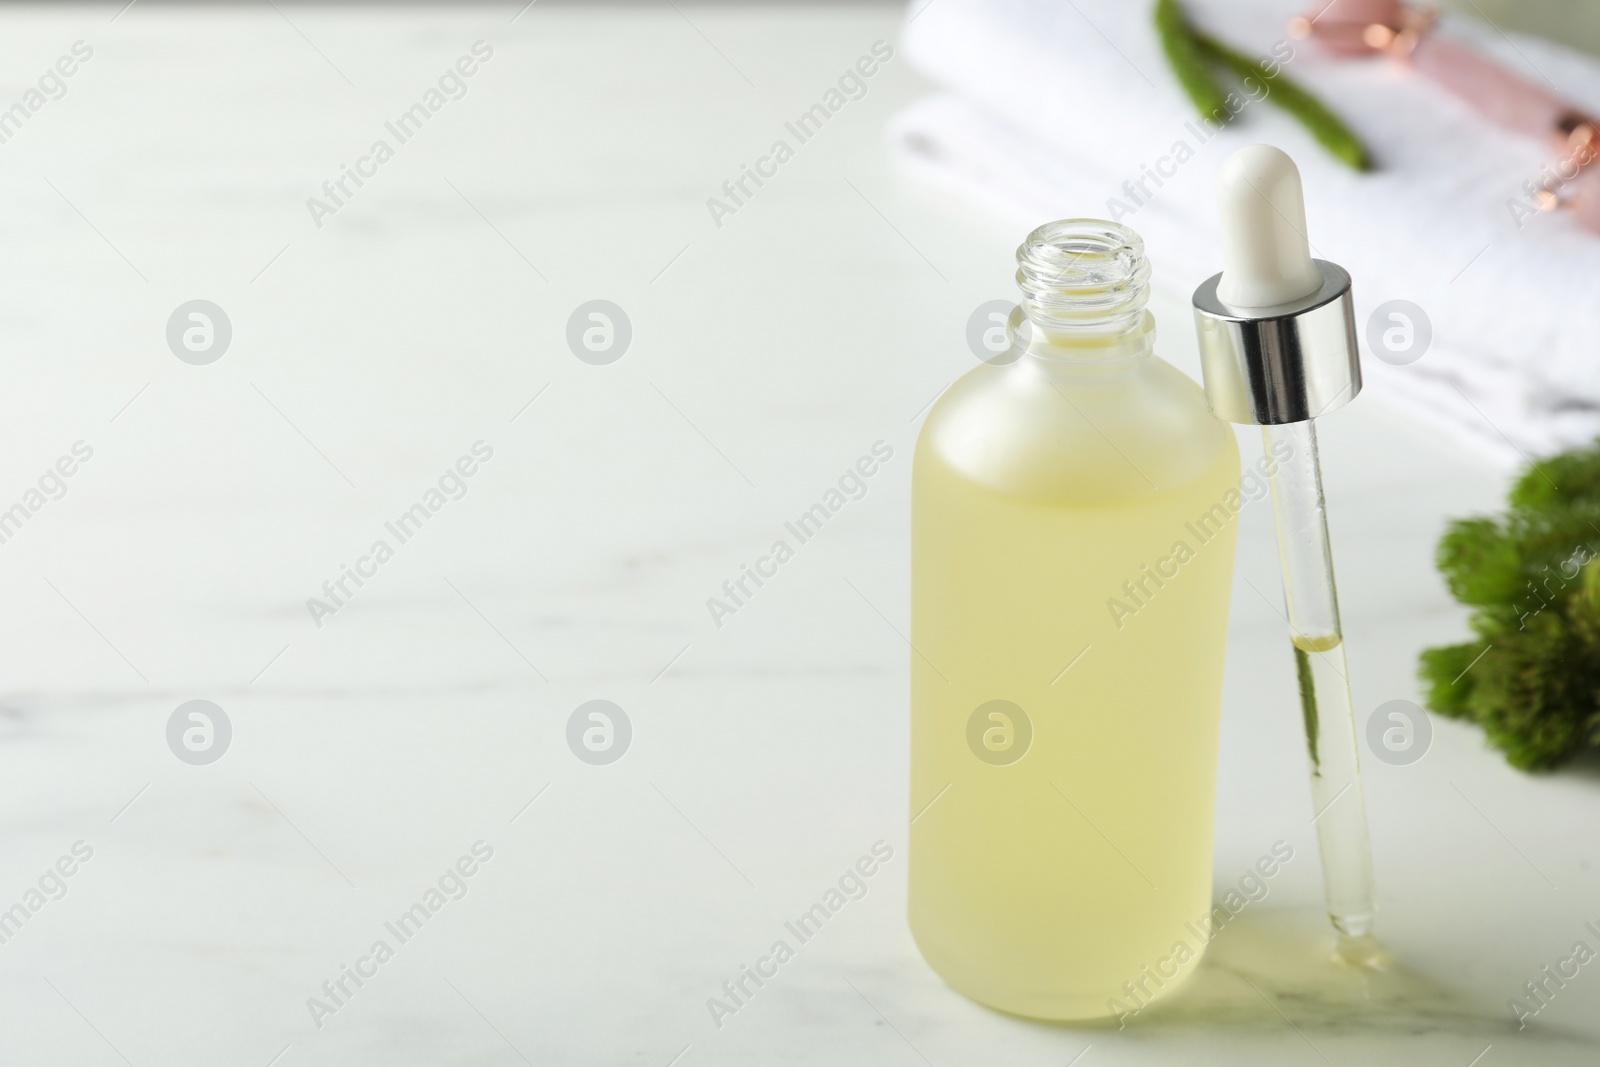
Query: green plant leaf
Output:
(1327,128)
(1446,672)
(1479,561)
(1532,579)
(1188,62)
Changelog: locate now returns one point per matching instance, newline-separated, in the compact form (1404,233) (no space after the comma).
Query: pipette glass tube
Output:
(1312,603)
(1278,346)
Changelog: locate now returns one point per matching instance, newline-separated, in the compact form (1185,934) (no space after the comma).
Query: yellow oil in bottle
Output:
(1072,551)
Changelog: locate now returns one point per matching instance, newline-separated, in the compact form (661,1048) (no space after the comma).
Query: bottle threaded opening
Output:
(1083,275)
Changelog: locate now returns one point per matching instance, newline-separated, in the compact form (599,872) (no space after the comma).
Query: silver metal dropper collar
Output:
(1277,330)
(1274,365)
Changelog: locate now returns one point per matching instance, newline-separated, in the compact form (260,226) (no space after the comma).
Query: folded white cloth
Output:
(1061,110)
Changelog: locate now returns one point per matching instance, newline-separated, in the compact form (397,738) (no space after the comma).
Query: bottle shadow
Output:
(1266,969)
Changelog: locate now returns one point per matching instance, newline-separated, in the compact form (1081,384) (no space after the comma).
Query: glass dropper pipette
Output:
(1278,349)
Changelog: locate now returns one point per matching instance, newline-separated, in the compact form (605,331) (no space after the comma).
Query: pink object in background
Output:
(1389,27)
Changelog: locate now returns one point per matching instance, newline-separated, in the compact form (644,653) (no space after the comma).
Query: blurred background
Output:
(492,286)
(1568,21)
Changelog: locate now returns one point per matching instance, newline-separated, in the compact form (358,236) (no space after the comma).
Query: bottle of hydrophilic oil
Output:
(1073,526)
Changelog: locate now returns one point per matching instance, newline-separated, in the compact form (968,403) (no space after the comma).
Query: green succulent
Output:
(1531,678)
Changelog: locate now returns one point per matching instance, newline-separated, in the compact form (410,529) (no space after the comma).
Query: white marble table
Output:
(371,753)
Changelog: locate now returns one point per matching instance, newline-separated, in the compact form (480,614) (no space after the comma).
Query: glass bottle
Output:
(1073,525)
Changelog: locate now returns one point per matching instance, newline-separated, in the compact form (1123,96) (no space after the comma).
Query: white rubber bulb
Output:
(1266,256)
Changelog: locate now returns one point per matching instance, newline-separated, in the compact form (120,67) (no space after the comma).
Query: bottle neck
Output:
(1084,286)
(1084,352)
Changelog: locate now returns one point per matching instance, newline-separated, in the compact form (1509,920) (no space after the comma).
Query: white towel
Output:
(1054,106)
